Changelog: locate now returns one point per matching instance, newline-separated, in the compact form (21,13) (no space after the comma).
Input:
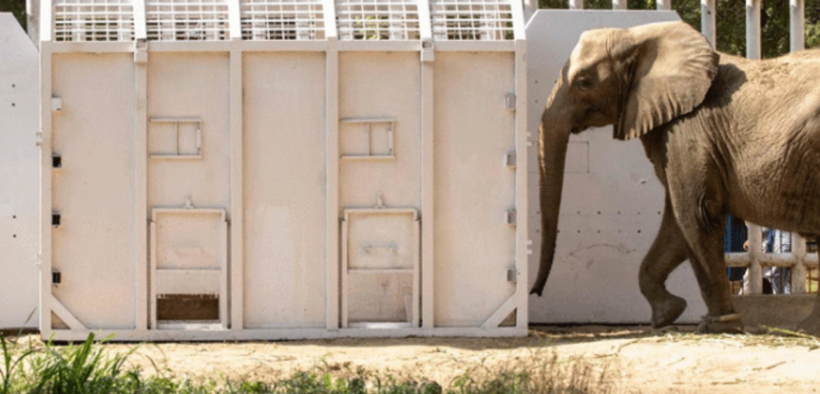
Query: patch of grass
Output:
(86,368)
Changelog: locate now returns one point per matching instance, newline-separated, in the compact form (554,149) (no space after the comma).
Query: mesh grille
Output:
(487,20)
(264,20)
(187,20)
(396,20)
(93,20)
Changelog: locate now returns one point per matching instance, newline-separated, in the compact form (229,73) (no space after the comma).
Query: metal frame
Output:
(347,271)
(425,44)
(222,272)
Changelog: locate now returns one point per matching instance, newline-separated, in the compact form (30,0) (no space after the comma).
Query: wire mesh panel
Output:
(93,20)
(487,20)
(264,20)
(187,20)
(377,19)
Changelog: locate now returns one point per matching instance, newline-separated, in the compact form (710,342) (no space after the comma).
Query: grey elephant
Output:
(726,135)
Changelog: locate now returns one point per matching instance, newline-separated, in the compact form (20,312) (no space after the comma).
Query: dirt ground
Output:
(636,359)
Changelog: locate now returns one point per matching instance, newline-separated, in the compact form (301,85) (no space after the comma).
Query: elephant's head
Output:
(636,80)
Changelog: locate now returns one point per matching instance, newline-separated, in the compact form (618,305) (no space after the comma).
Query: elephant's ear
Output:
(673,67)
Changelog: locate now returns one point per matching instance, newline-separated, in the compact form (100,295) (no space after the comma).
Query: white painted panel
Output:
(93,247)
(381,241)
(474,245)
(384,85)
(381,260)
(610,213)
(190,86)
(19,157)
(284,176)
(390,301)
(179,281)
(189,240)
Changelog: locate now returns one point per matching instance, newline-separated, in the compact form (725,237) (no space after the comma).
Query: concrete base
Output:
(781,311)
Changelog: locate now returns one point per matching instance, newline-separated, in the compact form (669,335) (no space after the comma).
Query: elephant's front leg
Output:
(667,252)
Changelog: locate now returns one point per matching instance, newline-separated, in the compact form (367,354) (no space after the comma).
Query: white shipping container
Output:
(279,169)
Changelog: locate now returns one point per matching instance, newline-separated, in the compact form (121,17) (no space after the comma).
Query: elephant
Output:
(725,135)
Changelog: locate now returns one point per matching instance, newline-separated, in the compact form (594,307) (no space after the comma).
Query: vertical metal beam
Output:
(708,26)
(46,24)
(619,4)
(140,29)
(45,185)
(237,214)
(33,20)
(235,19)
(332,165)
(797,34)
(664,4)
(753,29)
(576,4)
(530,6)
(521,182)
(427,173)
(755,250)
(141,215)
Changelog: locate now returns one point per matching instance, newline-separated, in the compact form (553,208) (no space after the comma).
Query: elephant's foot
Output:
(731,324)
(667,311)
(811,325)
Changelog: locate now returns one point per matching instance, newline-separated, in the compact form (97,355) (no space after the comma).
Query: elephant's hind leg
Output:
(700,214)
(667,252)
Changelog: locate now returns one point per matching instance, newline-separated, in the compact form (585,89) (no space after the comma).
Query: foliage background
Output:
(731,20)
(16,7)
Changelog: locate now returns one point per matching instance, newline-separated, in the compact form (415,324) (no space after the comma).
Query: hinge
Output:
(511,217)
(512,275)
(509,100)
(141,51)
(56,277)
(510,159)
(428,52)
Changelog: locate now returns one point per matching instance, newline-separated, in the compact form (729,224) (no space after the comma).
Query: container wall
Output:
(93,191)
(19,203)
(474,188)
(284,190)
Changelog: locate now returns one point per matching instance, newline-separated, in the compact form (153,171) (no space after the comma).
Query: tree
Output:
(731,21)
(16,7)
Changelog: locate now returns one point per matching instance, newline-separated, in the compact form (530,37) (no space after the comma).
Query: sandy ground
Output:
(635,359)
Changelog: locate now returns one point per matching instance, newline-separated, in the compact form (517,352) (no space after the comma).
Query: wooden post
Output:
(755,250)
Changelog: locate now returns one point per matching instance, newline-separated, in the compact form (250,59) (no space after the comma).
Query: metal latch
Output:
(428,52)
(141,51)
(509,100)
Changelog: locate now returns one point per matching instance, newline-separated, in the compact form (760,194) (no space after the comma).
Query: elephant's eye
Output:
(583,84)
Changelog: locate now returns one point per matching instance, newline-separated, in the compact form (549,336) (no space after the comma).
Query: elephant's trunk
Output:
(552,151)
